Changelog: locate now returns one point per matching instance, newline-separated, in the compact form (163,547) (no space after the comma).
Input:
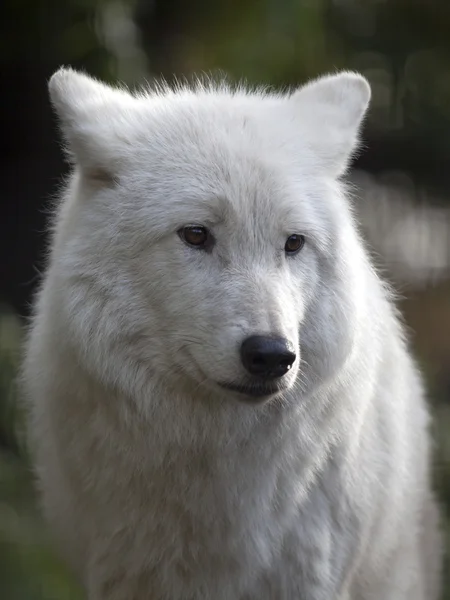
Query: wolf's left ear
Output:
(331,110)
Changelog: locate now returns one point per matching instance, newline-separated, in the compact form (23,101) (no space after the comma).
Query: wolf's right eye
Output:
(294,244)
(196,236)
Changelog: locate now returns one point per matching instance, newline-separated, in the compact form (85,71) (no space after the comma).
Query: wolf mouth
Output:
(253,390)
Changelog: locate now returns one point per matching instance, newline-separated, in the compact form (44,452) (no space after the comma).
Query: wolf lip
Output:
(255,390)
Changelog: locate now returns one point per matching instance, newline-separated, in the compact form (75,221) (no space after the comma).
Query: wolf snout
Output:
(268,357)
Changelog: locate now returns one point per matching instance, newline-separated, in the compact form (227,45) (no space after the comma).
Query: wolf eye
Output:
(195,236)
(294,243)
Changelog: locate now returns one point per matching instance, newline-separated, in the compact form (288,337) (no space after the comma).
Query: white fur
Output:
(157,482)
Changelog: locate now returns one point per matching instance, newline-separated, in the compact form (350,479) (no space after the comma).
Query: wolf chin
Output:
(221,401)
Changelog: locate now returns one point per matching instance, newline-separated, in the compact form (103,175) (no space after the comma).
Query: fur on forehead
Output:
(106,128)
(289,206)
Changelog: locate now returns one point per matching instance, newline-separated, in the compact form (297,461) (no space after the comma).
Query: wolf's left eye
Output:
(196,236)
(294,243)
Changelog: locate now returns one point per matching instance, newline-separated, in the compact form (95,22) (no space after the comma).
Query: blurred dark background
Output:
(403,174)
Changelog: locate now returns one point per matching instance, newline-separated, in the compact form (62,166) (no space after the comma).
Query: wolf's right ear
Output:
(92,117)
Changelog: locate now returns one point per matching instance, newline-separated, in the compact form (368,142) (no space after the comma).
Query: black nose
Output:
(267,356)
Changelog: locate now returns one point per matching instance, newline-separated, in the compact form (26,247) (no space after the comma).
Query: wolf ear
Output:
(331,110)
(91,116)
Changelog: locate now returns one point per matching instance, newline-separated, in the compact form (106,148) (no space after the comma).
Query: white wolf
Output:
(222,404)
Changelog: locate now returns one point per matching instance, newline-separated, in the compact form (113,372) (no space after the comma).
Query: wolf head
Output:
(204,240)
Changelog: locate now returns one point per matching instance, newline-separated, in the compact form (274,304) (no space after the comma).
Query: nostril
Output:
(267,356)
(286,362)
